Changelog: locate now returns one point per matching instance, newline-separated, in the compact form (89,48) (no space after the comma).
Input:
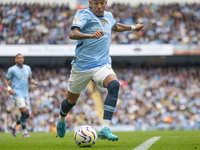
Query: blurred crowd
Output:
(159,98)
(45,103)
(36,24)
(149,98)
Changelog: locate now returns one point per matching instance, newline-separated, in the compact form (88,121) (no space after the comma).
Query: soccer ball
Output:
(85,136)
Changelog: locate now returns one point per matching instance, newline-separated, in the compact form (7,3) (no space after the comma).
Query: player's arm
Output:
(76,34)
(119,27)
(32,81)
(8,87)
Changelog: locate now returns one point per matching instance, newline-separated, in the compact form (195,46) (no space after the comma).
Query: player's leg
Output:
(16,123)
(109,80)
(21,105)
(66,106)
(25,115)
(23,118)
(112,85)
(77,82)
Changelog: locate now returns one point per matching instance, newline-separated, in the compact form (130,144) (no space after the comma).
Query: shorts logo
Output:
(103,22)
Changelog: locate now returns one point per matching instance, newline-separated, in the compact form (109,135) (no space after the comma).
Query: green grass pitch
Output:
(170,140)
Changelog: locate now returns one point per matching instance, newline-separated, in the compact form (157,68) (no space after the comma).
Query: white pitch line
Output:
(147,144)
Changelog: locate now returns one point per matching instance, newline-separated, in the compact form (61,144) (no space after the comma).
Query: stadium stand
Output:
(44,24)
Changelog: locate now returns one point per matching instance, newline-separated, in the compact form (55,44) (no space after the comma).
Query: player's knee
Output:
(113,87)
(72,98)
(23,117)
(71,101)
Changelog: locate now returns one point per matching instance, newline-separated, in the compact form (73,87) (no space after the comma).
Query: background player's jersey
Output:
(19,77)
(91,53)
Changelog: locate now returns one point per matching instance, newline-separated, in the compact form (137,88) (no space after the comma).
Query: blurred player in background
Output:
(92,28)
(20,76)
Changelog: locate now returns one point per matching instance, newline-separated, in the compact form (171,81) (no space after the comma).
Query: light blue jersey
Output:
(91,53)
(19,77)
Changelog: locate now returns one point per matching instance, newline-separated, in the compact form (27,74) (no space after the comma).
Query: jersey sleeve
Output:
(112,20)
(81,18)
(9,74)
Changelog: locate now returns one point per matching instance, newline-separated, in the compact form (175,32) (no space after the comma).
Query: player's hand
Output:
(139,27)
(11,92)
(98,34)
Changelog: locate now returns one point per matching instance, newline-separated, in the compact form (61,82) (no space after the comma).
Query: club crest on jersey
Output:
(75,19)
(103,21)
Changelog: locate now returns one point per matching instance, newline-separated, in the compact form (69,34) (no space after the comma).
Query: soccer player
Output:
(20,76)
(92,28)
